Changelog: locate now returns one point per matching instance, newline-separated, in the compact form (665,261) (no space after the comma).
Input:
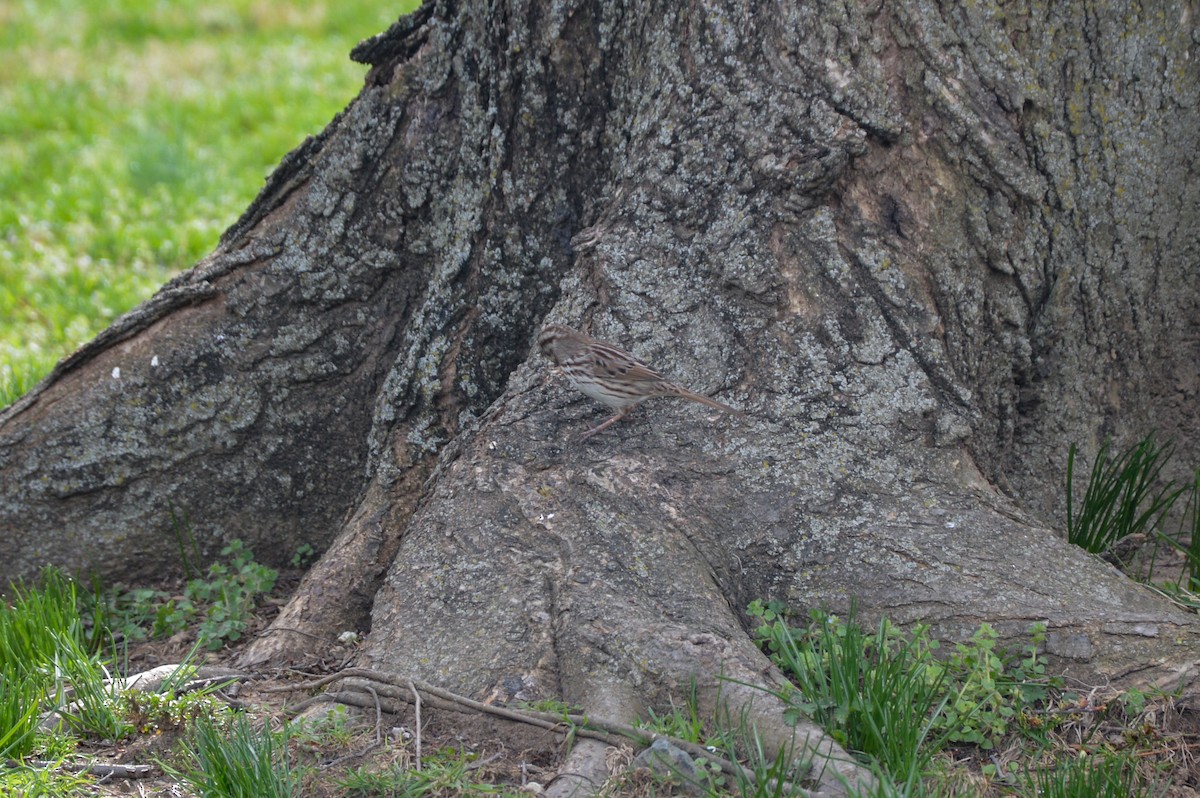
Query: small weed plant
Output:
(761,772)
(155,713)
(990,691)
(684,722)
(304,556)
(229,594)
(222,603)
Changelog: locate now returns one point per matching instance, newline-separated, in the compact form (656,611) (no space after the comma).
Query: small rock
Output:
(665,759)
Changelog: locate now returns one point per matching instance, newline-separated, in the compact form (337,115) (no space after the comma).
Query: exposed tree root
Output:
(583,773)
(585,769)
(96,769)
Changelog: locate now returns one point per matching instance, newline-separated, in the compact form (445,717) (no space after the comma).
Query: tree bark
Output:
(924,248)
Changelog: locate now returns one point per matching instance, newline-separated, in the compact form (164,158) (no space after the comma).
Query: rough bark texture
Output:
(924,248)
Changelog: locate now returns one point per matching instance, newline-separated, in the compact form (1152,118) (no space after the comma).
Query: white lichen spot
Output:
(116,373)
(837,75)
(154,362)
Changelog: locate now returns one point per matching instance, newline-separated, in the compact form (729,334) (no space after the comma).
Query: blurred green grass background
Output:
(133,132)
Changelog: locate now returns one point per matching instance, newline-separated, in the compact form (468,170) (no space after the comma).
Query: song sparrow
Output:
(610,375)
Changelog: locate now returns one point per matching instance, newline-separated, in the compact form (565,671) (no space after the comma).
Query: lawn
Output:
(133,132)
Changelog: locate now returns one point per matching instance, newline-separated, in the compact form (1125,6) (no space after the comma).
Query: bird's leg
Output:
(620,415)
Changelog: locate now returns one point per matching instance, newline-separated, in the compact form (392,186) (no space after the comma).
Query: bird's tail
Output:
(704,400)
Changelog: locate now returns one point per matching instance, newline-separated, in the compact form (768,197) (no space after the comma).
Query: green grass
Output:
(880,695)
(974,720)
(49,661)
(1087,777)
(1128,498)
(33,618)
(1125,495)
(19,697)
(761,773)
(86,694)
(225,758)
(1190,531)
(683,722)
(56,655)
(445,772)
(44,783)
(889,701)
(133,132)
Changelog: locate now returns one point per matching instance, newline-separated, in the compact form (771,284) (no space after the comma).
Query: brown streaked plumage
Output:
(610,375)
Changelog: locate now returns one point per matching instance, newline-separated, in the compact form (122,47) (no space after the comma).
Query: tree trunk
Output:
(924,248)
